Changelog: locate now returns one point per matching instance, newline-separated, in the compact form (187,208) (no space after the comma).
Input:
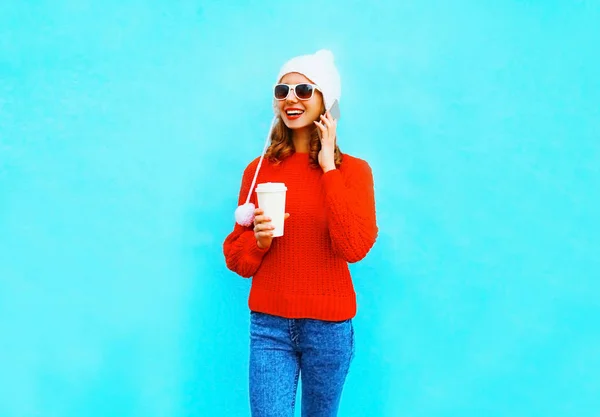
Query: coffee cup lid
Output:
(270,187)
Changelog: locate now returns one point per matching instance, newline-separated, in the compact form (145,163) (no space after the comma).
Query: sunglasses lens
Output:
(304,91)
(281,91)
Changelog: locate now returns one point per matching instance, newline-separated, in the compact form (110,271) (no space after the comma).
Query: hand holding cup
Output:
(263,228)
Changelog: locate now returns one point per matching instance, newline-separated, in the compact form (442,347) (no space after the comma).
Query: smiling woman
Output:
(299,104)
(302,299)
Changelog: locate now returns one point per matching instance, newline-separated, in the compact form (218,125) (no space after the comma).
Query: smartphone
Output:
(335,110)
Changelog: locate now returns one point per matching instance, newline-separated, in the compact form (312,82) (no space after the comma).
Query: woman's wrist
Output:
(328,168)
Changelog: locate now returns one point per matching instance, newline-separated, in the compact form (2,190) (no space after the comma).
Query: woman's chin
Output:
(296,124)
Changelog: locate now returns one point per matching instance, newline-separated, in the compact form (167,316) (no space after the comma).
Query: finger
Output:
(286,216)
(261,219)
(258,211)
(320,124)
(264,234)
(326,121)
(263,226)
(321,127)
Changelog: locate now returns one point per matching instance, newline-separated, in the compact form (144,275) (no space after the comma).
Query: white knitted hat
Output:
(320,69)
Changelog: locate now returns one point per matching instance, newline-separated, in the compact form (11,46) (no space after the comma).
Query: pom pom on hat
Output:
(244,214)
(320,69)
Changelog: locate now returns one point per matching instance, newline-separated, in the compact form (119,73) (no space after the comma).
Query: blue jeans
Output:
(283,349)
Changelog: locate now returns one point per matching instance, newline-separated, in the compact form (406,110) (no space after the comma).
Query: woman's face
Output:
(295,113)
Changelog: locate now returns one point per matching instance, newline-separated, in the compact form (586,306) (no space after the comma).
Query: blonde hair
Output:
(282,145)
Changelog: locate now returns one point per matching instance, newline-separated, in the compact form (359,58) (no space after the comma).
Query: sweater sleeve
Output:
(350,204)
(242,254)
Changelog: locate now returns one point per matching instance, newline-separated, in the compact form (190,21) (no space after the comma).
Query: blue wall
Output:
(124,130)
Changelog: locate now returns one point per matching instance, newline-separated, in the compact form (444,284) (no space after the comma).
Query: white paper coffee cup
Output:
(271,198)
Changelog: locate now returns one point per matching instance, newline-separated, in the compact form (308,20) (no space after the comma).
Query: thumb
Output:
(286,216)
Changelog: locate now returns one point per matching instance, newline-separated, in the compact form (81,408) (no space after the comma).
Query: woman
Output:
(302,299)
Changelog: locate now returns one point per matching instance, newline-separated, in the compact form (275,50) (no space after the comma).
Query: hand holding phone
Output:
(327,125)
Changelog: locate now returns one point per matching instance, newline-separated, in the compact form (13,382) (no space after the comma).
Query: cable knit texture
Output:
(304,274)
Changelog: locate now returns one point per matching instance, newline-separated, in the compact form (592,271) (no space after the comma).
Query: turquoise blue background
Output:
(124,130)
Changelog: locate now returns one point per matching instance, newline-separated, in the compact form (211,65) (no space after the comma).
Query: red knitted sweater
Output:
(304,274)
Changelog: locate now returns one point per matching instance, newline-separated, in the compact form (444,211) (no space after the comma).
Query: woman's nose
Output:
(291,97)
